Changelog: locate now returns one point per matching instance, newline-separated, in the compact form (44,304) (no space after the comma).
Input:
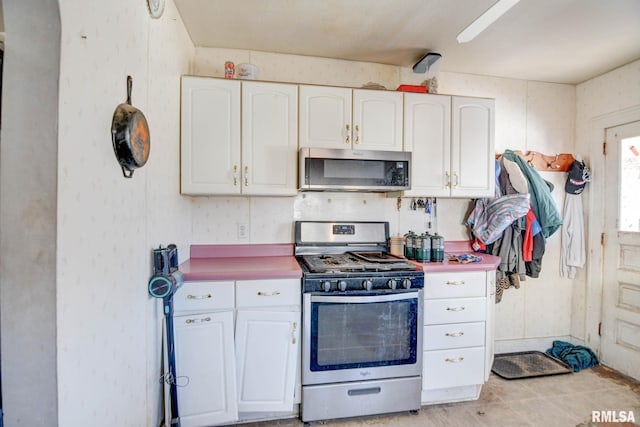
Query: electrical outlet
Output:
(243,230)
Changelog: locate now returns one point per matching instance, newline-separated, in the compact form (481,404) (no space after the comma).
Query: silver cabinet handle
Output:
(455,308)
(206,319)
(454,283)
(268,294)
(454,334)
(207,296)
(454,359)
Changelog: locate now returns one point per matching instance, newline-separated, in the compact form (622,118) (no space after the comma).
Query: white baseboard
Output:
(530,344)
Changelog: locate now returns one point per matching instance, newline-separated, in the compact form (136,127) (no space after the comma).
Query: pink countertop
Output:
(489,262)
(241,262)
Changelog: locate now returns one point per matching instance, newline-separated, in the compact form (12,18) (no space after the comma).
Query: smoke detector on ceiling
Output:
(426,63)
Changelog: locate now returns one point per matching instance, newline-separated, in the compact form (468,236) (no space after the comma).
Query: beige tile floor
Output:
(561,400)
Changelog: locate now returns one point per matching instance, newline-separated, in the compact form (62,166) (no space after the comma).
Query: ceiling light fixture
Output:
(486,19)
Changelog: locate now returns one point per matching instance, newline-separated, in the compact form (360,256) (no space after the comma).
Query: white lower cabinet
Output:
(205,368)
(266,352)
(458,335)
(237,351)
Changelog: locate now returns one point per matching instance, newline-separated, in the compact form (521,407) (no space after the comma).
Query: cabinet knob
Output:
(235,175)
(246,176)
(357,134)
(447,183)
(455,176)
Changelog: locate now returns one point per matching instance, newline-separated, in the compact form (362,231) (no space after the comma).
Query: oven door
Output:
(362,336)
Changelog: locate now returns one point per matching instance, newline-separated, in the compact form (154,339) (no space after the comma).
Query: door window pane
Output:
(630,184)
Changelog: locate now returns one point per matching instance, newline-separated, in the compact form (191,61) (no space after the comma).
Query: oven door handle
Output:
(355,299)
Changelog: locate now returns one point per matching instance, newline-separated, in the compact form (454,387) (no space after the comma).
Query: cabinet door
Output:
(427,134)
(269,138)
(267,349)
(210,136)
(325,117)
(377,120)
(205,369)
(472,148)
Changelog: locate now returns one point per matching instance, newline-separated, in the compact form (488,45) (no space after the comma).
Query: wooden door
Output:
(620,340)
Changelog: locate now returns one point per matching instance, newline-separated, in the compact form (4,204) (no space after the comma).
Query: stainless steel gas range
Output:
(362,322)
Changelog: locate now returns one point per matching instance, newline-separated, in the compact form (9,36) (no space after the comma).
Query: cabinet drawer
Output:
(203,296)
(453,368)
(268,293)
(455,335)
(455,284)
(454,310)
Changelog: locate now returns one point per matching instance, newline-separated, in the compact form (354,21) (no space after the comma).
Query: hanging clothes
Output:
(488,221)
(542,202)
(572,255)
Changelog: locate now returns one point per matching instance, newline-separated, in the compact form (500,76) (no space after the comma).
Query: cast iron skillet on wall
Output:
(130,135)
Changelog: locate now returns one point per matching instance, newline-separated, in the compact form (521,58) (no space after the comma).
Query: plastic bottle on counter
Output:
(437,248)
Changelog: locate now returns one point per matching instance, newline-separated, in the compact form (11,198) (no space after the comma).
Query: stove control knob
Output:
(406,283)
(392,283)
(342,285)
(367,284)
(326,286)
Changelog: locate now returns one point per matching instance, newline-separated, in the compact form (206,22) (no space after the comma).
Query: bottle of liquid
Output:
(437,248)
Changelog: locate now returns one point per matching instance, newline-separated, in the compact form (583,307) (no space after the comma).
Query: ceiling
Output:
(561,41)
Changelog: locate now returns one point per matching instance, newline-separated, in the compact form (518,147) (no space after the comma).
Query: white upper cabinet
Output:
(427,134)
(325,117)
(452,145)
(360,119)
(238,138)
(377,120)
(269,139)
(472,147)
(210,136)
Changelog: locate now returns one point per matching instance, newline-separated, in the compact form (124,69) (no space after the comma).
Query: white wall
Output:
(108,326)
(607,100)
(529,116)
(28,170)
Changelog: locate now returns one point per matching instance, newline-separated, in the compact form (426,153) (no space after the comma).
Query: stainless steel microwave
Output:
(324,169)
